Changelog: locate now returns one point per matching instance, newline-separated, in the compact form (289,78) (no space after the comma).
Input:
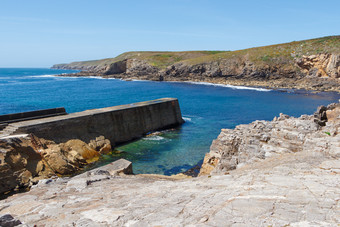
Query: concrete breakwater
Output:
(63,145)
(119,124)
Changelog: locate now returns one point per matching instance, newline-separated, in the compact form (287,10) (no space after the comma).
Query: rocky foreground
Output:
(279,173)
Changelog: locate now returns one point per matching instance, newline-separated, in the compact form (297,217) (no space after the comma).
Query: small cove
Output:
(206,109)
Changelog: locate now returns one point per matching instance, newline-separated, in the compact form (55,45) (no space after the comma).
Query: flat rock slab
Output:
(120,166)
(290,189)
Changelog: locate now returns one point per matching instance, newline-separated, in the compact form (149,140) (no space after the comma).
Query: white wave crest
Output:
(137,80)
(187,119)
(154,138)
(229,86)
(95,77)
(42,76)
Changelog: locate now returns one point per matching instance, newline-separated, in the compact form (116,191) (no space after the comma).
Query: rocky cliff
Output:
(309,64)
(259,140)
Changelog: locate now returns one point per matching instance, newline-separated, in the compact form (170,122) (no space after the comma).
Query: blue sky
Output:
(40,33)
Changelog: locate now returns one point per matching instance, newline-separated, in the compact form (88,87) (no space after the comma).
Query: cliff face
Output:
(284,135)
(320,65)
(310,64)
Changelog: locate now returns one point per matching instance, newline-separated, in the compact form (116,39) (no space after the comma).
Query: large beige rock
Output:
(100,144)
(27,159)
(83,149)
(22,163)
(58,162)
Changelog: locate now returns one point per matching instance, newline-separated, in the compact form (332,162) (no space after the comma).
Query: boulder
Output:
(100,144)
(81,148)
(26,160)
(7,220)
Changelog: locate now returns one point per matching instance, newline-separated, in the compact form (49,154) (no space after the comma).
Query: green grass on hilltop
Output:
(273,54)
(160,59)
(280,53)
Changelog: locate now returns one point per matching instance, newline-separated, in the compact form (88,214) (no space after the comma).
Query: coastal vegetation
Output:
(273,54)
(308,64)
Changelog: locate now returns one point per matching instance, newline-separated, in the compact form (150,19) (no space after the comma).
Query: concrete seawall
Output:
(119,124)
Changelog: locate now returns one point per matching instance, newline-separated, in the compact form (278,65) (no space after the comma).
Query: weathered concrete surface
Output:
(30,115)
(118,124)
(292,189)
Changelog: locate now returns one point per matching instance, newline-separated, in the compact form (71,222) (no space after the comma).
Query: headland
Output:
(309,64)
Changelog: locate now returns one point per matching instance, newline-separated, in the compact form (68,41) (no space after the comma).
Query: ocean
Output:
(206,109)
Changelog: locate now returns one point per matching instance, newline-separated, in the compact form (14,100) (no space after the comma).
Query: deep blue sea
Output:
(206,109)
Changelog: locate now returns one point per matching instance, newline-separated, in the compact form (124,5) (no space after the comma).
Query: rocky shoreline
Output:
(308,64)
(307,85)
(315,73)
(259,140)
(283,172)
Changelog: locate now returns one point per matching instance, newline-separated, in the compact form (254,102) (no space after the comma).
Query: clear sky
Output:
(40,33)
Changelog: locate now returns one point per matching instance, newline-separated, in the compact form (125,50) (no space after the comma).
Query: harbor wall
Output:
(119,124)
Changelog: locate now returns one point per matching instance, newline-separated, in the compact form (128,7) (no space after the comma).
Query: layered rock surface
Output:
(262,139)
(279,173)
(292,189)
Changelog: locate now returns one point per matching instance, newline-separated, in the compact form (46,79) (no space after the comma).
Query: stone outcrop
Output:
(262,139)
(291,189)
(320,65)
(319,72)
(25,159)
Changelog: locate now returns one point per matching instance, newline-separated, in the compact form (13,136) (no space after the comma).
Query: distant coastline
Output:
(312,65)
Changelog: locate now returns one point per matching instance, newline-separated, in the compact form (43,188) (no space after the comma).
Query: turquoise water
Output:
(206,109)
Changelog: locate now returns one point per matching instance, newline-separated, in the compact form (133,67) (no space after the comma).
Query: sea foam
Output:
(187,119)
(42,76)
(230,86)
